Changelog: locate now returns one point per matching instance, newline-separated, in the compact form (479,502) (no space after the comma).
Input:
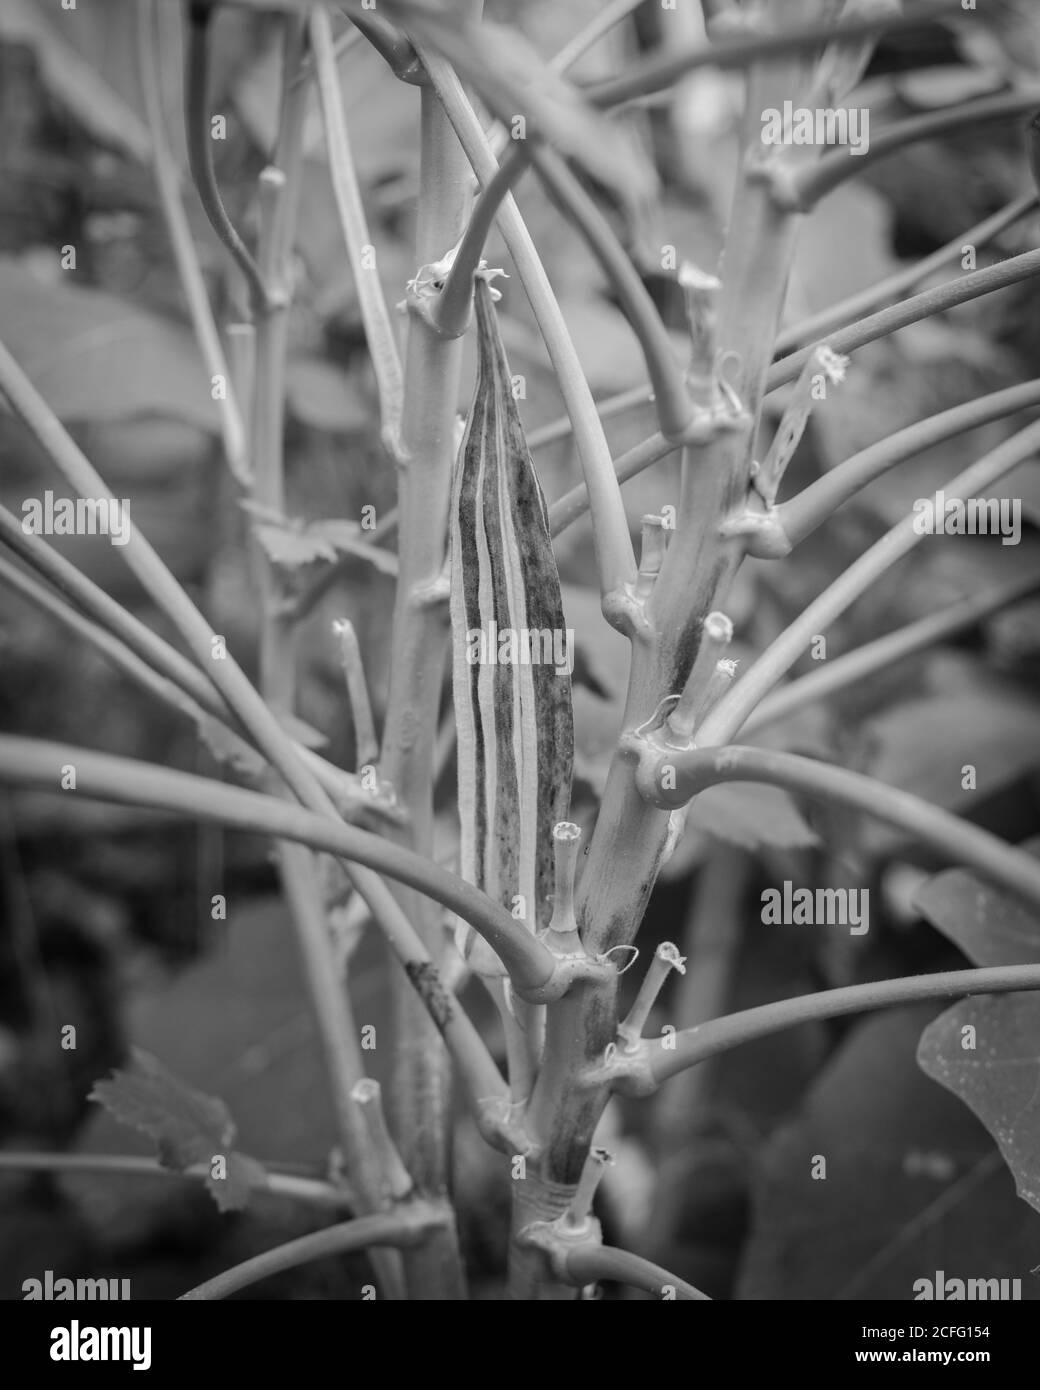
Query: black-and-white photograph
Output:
(519,636)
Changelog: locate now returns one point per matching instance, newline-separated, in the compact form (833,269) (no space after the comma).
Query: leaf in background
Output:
(913,1182)
(72,81)
(188,1126)
(922,745)
(512,78)
(751,816)
(988,926)
(95,357)
(1000,1079)
(294,545)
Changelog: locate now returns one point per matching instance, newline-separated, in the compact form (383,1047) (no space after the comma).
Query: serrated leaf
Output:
(188,1126)
(999,1079)
(95,357)
(988,926)
(753,817)
(291,546)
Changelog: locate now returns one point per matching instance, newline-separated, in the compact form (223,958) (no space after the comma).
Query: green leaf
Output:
(188,1126)
(989,927)
(94,357)
(999,1079)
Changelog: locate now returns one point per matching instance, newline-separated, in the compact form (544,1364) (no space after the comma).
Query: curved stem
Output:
(921,306)
(151,661)
(723,721)
(589,1264)
(615,557)
(167,182)
(597,28)
(674,409)
(207,647)
(692,1045)
(313,1190)
(956,841)
(200,150)
(379,330)
(660,70)
(844,340)
(807,187)
(605,408)
(37,763)
(452,310)
(574,504)
(406,1226)
(872,657)
(803,513)
(818,325)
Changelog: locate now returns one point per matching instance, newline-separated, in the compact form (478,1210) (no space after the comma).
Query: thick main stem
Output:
(427,453)
(627,845)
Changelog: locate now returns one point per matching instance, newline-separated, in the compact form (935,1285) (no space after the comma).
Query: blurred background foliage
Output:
(106,912)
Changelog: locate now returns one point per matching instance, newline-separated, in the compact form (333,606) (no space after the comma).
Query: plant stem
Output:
(420,1094)
(845,340)
(589,1264)
(723,721)
(200,150)
(615,558)
(167,181)
(893,286)
(408,1225)
(692,1045)
(803,513)
(612,13)
(135,639)
(921,306)
(629,837)
(954,840)
(311,1190)
(659,71)
(605,408)
(866,661)
(574,504)
(379,330)
(452,311)
(674,409)
(804,189)
(104,777)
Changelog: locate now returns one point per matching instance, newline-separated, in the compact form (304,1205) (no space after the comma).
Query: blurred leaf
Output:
(999,1079)
(988,926)
(188,1126)
(94,357)
(322,396)
(913,1183)
(753,817)
(922,745)
(294,545)
(72,81)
